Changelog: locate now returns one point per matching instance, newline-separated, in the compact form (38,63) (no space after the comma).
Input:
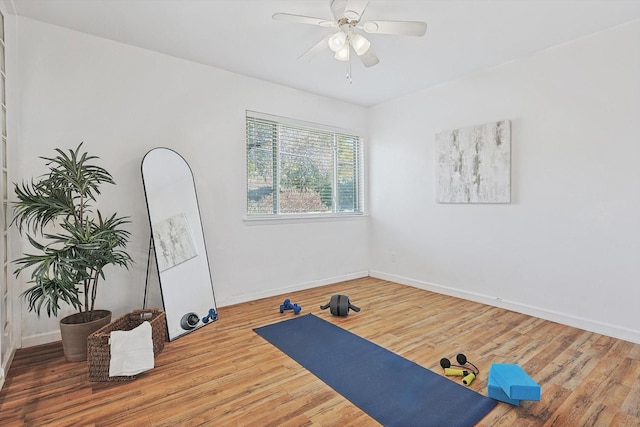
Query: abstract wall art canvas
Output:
(473,164)
(173,242)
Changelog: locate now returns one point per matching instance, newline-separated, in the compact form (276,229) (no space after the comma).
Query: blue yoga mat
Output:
(388,387)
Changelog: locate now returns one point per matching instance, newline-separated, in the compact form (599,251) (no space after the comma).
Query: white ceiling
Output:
(463,36)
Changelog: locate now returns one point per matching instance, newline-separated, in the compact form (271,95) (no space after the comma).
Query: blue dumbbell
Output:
(213,315)
(286,305)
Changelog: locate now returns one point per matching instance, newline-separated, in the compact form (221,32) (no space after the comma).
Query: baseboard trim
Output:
(53,336)
(222,302)
(615,331)
(590,325)
(39,339)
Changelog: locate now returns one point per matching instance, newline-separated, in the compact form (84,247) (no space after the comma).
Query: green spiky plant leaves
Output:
(70,260)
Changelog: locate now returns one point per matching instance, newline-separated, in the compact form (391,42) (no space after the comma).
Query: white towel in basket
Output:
(131,351)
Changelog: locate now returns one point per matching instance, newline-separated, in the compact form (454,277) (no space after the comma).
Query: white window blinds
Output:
(295,168)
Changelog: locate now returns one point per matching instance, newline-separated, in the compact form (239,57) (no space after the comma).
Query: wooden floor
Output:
(226,375)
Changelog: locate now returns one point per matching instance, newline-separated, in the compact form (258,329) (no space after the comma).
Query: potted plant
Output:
(73,243)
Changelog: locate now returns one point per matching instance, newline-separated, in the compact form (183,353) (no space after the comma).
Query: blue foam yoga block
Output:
(515,382)
(496,392)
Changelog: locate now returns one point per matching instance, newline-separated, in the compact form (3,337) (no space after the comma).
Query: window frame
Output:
(310,126)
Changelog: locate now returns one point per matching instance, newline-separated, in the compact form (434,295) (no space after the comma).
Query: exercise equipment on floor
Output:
(340,305)
(212,315)
(509,383)
(189,321)
(465,369)
(287,305)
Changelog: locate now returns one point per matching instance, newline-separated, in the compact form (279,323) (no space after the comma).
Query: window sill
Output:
(294,219)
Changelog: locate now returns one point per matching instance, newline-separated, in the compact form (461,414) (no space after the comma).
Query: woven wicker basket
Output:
(99,348)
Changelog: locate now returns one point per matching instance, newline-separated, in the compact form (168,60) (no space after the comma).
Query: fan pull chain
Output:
(349,70)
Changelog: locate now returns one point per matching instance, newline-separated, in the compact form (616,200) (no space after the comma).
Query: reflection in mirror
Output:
(178,242)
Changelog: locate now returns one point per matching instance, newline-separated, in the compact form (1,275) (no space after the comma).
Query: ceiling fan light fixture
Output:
(343,53)
(347,19)
(337,41)
(360,44)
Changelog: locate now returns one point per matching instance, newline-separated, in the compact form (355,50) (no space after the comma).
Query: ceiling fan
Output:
(347,16)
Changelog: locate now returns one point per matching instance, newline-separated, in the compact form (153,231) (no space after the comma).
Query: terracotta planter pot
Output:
(75,331)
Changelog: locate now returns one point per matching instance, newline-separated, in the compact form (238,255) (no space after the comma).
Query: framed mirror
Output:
(177,242)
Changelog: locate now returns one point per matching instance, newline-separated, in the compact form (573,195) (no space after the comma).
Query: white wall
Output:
(568,246)
(122,101)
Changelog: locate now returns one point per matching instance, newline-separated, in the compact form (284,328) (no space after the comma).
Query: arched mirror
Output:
(177,241)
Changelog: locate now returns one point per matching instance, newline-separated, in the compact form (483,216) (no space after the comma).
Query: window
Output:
(297,168)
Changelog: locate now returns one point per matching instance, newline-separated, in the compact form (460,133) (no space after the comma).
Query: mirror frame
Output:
(194,238)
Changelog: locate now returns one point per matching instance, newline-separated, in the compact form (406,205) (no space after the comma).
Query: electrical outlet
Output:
(394,257)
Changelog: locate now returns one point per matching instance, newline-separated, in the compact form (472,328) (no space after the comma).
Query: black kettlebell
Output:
(189,321)
(339,305)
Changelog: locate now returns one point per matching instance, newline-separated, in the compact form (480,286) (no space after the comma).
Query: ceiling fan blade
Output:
(354,9)
(403,28)
(315,49)
(300,19)
(369,58)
